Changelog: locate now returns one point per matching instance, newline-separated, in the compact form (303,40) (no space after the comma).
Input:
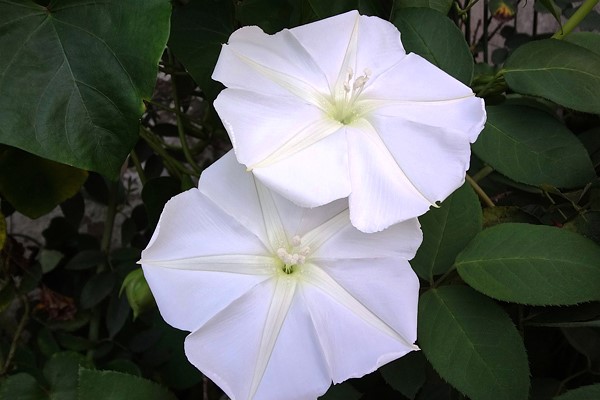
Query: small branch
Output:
(138,166)
(576,18)
(18,332)
(482,173)
(482,195)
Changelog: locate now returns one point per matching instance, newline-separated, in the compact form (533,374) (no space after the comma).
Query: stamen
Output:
(296,240)
(343,103)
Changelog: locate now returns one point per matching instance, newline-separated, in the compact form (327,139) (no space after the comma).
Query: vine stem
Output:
(138,166)
(18,331)
(482,195)
(180,131)
(109,223)
(576,18)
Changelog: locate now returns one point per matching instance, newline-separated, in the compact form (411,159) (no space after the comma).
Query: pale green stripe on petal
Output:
(349,61)
(307,136)
(319,235)
(285,288)
(235,264)
(290,83)
(273,224)
(316,276)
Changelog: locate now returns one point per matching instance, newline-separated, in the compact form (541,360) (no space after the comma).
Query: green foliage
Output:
(533,147)
(41,185)
(473,344)
(434,37)
(446,231)
(531,264)
(117,385)
(72,87)
(574,70)
(509,312)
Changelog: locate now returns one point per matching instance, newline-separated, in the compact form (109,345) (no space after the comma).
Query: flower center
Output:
(344,107)
(293,258)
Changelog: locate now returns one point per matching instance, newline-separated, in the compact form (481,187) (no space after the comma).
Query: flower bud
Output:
(138,292)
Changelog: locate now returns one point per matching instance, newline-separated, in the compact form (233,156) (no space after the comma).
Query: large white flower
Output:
(280,300)
(337,108)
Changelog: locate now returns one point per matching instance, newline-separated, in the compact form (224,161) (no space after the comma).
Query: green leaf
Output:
(591,392)
(21,387)
(86,259)
(96,289)
(61,373)
(49,259)
(271,15)
(473,344)
(532,147)
(560,71)
(406,374)
(40,184)
(436,38)
(532,264)
(552,8)
(446,231)
(117,385)
(587,40)
(324,9)
(442,6)
(198,30)
(156,193)
(73,76)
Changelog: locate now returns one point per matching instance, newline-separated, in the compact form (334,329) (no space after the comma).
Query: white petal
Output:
(388,287)
(233,189)
(271,64)
(399,240)
(311,177)
(191,225)
(187,299)
(419,91)
(265,129)
(435,159)
(382,194)
(228,347)
(355,339)
(364,42)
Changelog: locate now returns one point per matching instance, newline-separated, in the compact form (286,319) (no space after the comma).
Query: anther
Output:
(296,240)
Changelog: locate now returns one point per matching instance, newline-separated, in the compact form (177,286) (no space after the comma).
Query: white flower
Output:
(280,300)
(336,108)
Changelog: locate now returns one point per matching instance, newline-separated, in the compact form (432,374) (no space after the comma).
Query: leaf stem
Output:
(138,166)
(174,166)
(18,332)
(482,195)
(482,173)
(182,136)
(575,19)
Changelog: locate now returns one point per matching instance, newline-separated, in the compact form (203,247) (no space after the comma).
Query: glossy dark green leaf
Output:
(86,259)
(442,6)
(436,38)
(124,366)
(40,184)
(587,40)
(473,344)
(117,385)
(96,289)
(532,147)
(532,264)
(73,76)
(49,259)
(324,9)
(198,29)
(117,313)
(406,374)
(271,15)
(156,193)
(560,71)
(47,343)
(591,392)
(446,231)
(21,386)
(61,373)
